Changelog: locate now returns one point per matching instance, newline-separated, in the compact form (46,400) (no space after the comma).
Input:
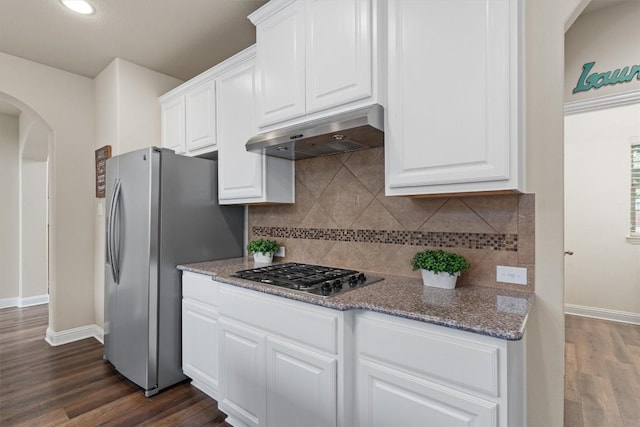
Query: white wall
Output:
(65,102)
(34,258)
(545,24)
(33,215)
(127,106)
(604,271)
(9,209)
(127,118)
(608,36)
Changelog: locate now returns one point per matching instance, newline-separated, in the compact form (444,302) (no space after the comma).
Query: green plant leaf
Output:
(263,245)
(439,261)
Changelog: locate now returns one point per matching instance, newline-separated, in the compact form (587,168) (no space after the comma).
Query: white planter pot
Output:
(262,258)
(442,280)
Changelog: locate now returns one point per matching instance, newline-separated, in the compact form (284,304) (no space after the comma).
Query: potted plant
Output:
(440,269)
(263,250)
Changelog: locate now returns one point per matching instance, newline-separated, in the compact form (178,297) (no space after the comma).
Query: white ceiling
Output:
(181,38)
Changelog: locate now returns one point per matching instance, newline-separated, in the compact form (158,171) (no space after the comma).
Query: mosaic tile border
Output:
(494,242)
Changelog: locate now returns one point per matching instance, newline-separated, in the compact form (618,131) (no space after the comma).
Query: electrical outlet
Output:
(517,275)
(280,252)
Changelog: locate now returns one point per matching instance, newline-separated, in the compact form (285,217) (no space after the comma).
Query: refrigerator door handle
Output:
(110,231)
(115,242)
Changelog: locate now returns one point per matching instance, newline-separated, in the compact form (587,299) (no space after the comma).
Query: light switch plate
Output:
(280,252)
(516,275)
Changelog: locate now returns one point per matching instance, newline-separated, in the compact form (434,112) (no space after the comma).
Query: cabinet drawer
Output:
(298,321)
(387,397)
(200,287)
(444,355)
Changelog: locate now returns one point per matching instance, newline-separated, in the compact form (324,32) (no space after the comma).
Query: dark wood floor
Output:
(602,373)
(71,385)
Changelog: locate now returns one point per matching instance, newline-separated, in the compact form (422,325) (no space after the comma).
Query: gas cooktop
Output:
(308,278)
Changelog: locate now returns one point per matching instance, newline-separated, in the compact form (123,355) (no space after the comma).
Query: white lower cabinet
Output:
(411,373)
(200,345)
(271,361)
(200,332)
(390,397)
(242,362)
(278,361)
(301,386)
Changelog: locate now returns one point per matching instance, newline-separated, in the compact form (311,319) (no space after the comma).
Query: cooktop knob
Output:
(362,277)
(326,286)
(337,284)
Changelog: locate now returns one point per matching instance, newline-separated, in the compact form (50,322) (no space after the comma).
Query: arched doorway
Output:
(27,146)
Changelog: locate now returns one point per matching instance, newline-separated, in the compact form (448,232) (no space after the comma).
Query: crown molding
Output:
(602,102)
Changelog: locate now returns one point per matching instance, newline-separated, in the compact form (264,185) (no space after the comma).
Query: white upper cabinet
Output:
(188,117)
(201,114)
(454,109)
(339,49)
(312,56)
(173,127)
(281,61)
(215,111)
(246,177)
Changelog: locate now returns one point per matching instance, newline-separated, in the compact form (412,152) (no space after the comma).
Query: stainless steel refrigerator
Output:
(162,210)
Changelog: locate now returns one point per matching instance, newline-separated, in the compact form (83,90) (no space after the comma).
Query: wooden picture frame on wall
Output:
(102,154)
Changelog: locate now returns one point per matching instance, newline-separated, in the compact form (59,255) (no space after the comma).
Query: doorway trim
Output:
(584,106)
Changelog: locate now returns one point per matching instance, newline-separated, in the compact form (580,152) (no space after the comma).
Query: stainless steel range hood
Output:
(349,131)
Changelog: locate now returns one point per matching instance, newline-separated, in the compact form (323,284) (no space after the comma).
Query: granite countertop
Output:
(494,312)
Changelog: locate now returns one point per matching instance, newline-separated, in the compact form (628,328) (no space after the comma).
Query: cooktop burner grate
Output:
(308,278)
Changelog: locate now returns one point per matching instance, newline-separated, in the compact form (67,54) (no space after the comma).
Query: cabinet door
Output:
(200,107)
(240,173)
(339,46)
(389,397)
(242,378)
(200,345)
(301,386)
(281,65)
(173,127)
(452,95)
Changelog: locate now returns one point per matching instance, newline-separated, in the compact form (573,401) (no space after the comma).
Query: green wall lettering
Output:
(590,80)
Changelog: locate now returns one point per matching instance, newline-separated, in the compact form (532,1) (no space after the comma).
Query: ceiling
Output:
(181,38)
(162,35)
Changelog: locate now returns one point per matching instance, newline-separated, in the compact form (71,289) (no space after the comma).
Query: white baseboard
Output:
(75,334)
(205,388)
(35,300)
(603,313)
(8,302)
(24,302)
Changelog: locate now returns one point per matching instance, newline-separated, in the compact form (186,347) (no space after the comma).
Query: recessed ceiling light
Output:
(79,6)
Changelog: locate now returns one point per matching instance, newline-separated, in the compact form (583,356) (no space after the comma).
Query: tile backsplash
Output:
(342,218)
